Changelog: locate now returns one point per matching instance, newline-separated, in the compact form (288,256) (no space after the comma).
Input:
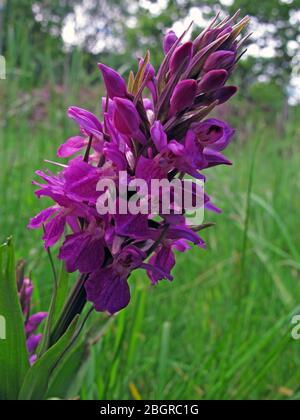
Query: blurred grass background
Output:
(222,330)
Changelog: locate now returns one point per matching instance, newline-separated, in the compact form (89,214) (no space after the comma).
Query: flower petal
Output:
(108,291)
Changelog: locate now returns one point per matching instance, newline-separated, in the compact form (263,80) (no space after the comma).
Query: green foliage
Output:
(13,354)
(196,338)
(37,379)
(206,353)
(127,28)
(267,96)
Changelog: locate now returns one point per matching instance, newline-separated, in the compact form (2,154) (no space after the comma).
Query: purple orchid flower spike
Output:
(157,128)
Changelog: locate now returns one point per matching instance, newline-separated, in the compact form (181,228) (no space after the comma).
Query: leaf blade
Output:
(13,353)
(37,379)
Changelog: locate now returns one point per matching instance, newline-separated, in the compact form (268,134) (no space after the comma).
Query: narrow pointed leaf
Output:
(56,306)
(37,379)
(140,75)
(13,354)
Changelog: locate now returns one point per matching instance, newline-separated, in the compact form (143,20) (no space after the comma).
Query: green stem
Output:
(73,307)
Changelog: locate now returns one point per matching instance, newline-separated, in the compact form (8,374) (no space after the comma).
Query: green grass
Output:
(222,330)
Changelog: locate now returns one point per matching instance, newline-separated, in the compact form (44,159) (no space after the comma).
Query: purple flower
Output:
(87,121)
(156,128)
(164,259)
(33,342)
(108,288)
(34,322)
(127,119)
(84,251)
(31,322)
(213,134)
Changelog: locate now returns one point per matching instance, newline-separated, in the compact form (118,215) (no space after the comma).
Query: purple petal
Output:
(183,96)
(182,54)
(126,118)
(211,207)
(107,291)
(86,120)
(134,226)
(183,232)
(224,94)
(215,134)
(34,322)
(32,359)
(215,158)
(41,218)
(164,260)
(149,169)
(54,230)
(220,60)
(158,135)
(115,84)
(169,40)
(82,179)
(83,252)
(129,259)
(71,146)
(209,132)
(33,342)
(212,80)
(114,154)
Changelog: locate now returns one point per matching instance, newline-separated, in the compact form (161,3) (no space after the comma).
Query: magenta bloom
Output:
(156,127)
(31,322)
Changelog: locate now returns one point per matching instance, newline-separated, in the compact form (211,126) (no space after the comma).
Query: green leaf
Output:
(62,292)
(37,379)
(67,379)
(56,306)
(13,353)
